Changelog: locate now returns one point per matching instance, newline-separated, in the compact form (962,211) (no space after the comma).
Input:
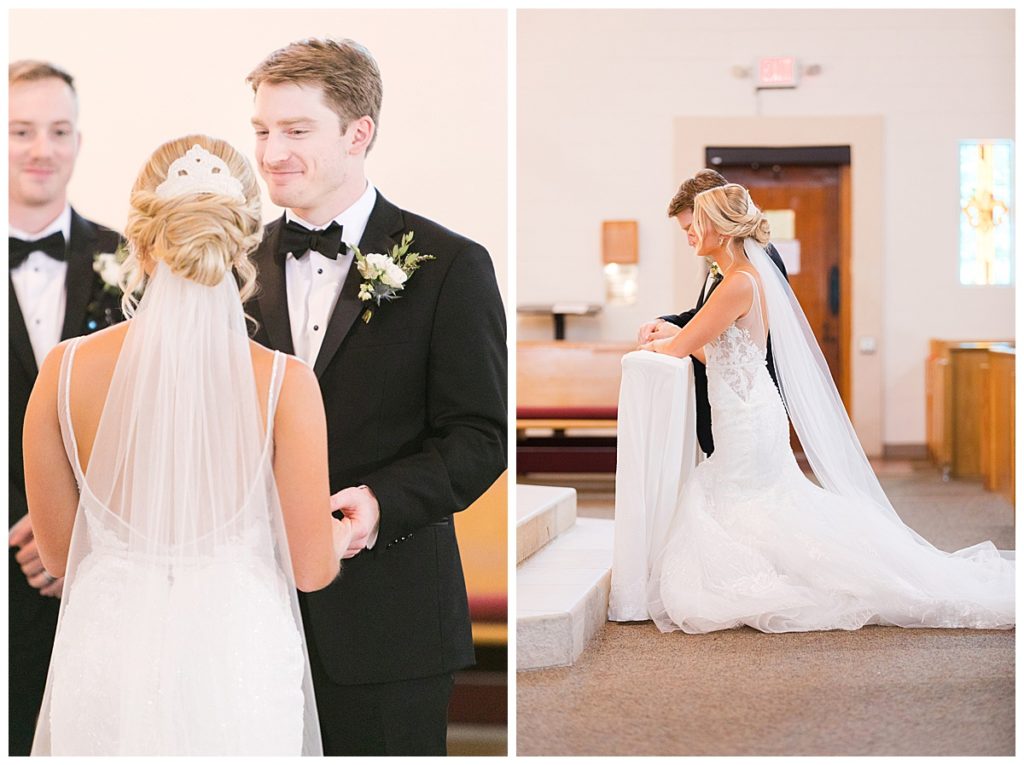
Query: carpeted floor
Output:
(876,691)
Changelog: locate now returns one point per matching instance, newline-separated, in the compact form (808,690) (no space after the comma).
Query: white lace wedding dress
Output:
(179,630)
(754,542)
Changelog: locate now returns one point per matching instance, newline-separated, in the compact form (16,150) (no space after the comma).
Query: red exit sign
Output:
(777,72)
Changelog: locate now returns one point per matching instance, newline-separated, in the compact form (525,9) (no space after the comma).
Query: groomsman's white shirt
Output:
(39,285)
(314,282)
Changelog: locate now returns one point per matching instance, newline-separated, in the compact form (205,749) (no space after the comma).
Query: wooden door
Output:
(815,194)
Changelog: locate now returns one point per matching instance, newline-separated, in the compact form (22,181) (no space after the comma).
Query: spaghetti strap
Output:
(755,322)
(274,391)
(67,430)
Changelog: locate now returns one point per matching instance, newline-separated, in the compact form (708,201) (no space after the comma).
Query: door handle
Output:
(833,290)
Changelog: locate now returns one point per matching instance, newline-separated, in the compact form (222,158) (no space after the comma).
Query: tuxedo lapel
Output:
(710,288)
(273,298)
(703,289)
(81,278)
(384,224)
(21,346)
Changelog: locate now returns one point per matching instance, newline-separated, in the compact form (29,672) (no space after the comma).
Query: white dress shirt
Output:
(39,286)
(707,285)
(314,282)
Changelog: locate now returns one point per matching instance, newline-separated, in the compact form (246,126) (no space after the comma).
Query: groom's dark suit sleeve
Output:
(466,403)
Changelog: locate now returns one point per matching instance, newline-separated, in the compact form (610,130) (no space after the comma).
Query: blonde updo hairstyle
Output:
(200,237)
(729,211)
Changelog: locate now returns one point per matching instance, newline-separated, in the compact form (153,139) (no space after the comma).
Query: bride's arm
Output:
(316,541)
(731,300)
(49,479)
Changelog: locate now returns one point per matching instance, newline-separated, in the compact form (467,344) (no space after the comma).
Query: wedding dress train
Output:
(754,542)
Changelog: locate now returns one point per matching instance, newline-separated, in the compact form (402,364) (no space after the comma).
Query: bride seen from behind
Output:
(176,473)
(753,541)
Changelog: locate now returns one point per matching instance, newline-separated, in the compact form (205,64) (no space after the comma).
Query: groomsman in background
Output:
(54,294)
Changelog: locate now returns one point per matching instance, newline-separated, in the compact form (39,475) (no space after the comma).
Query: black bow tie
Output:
(297,239)
(18,249)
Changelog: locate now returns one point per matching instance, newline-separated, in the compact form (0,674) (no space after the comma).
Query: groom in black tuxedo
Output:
(54,294)
(415,394)
(681,208)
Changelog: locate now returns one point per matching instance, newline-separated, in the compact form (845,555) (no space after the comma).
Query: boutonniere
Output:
(385,275)
(715,270)
(108,266)
(104,308)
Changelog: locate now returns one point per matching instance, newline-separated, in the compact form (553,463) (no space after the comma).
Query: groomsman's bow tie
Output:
(297,239)
(53,245)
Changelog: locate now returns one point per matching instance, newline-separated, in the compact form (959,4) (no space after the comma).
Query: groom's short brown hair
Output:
(344,69)
(691,187)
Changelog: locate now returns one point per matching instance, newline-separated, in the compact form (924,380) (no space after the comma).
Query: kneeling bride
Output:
(751,540)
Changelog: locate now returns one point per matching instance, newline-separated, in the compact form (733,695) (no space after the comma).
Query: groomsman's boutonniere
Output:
(103,309)
(386,275)
(108,266)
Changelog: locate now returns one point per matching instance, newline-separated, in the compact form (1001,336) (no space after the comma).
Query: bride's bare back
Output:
(95,361)
(300,453)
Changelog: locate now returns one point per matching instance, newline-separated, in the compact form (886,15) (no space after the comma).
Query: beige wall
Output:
(146,76)
(602,95)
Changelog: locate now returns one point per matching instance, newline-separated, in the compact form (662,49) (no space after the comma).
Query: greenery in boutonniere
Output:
(104,308)
(385,275)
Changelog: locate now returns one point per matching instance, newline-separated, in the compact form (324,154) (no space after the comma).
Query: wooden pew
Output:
(565,387)
(956,392)
(998,437)
(480,695)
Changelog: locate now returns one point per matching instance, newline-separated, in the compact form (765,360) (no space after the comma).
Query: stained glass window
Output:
(986,206)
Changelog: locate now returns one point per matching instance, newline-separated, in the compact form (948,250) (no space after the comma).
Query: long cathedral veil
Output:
(812,401)
(814,406)
(179,552)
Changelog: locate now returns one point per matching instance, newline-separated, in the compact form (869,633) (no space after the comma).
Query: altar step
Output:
(542,513)
(563,578)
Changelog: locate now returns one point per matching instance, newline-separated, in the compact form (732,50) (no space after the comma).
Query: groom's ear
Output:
(359,135)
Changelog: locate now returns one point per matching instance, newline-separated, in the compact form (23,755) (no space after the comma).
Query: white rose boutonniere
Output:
(386,275)
(108,266)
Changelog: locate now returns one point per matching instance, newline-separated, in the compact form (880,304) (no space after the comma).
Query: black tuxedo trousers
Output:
(33,618)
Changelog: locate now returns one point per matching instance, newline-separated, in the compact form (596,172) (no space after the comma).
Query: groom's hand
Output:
(646,332)
(360,506)
(656,330)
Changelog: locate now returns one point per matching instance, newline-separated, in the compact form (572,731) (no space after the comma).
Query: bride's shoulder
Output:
(736,283)
(300,400)
(742,278)
(296,374)
(108,339)
(102,345)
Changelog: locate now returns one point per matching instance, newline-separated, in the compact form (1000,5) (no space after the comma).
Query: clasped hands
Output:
(28,558)
(361,520)
(656,335)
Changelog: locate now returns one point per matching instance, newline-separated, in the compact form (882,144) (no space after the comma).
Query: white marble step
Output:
(562,595)
(542,513)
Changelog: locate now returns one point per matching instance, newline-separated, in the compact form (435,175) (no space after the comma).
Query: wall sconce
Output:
(620,255)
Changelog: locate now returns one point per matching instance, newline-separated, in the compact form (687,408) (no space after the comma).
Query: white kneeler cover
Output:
(657,452)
